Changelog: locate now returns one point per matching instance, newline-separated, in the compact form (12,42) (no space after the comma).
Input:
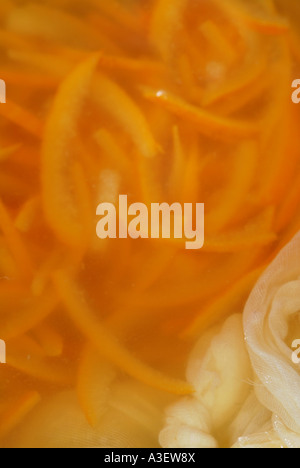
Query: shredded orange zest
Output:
(130,65)
(49,340)
(95,377)
(241,81)
(119,13)
(218,41)
(241,177)
(261,21)
(56,67)
(26,317)
(37,19)
(192,175)
(289,207)
(23,118)
(208,124)
(178,164)
(60,126)
(17,410)
(220,307)
(14,241)
(111,148)
(107,345)
(113,99)
(33,80)
(27,215)
(8,267)
(239,241)
(165,21)
(38,365)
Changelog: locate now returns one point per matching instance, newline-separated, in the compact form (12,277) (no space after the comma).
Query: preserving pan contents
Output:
(113,337)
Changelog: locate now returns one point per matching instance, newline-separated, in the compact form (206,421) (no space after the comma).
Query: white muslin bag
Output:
(247,386)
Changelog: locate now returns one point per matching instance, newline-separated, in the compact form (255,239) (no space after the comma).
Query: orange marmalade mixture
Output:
(163,100)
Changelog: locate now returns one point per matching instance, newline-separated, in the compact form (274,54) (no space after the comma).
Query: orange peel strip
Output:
(238,241)
(33,80)
(241,81)
(112,148)
(218,41)
(36,20)
(289,207)
(191,180)
(256,233)
(8,268)
(57,199)
(107,344)
(49,340)
(13,187)
(207,123)
(116,11)
(263,22)
(15,242)
(166,20)
(95,377)
(255,64)
(116,102)
(21,321)
(54,66)
(238,186)
(178,164)
(16,412)
(129,64)
(38,366)
(275,142)
(223,305)
(27,214)
(22,117)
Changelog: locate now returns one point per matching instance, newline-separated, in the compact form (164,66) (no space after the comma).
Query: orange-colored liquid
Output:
(165,101)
